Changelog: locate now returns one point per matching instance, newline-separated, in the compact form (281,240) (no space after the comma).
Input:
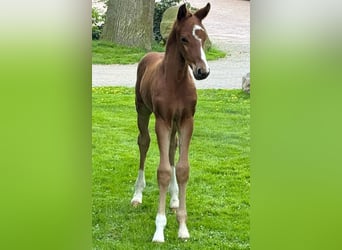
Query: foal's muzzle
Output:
(200,73)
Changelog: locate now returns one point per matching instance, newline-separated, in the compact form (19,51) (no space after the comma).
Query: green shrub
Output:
(97,21)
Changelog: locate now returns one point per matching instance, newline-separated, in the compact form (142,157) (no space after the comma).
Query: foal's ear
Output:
(202,13)
(182,12)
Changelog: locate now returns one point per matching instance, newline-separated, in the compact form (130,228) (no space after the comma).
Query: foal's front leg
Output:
(164,176)
(182,173)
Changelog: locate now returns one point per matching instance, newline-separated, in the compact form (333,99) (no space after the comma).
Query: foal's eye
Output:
(184,40)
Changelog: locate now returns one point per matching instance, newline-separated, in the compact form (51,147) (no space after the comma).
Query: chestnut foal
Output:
(166,87)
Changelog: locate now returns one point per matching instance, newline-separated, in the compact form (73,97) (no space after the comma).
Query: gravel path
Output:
(228,27)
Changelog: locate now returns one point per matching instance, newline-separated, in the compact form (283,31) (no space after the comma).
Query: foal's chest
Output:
(175,105)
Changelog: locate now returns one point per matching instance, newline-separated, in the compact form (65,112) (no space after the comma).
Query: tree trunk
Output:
(129,22)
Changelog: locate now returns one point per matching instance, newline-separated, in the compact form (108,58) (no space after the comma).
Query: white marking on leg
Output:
(203,57)
(160,225)
(139,187)
(183,232)
(173,189)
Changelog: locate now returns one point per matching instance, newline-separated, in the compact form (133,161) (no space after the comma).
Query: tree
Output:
(129,22)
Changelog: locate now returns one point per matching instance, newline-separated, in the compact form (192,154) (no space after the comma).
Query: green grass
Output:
(214,53)
(104,52)
(218,189)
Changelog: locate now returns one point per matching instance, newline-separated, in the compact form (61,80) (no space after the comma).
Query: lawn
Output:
(218,189)
(109,53)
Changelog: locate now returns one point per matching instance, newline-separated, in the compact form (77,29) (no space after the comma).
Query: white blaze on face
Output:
(203,57)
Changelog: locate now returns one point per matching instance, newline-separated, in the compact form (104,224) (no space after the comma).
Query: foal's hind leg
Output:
(144,143)
(173,188)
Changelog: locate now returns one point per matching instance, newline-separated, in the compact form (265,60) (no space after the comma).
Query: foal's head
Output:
(190,37)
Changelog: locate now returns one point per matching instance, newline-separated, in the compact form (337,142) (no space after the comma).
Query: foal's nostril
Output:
(199,72)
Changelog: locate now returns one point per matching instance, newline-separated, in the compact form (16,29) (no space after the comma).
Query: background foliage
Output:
(97,21)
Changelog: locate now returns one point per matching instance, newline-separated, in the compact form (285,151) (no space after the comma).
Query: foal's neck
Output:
(174,64)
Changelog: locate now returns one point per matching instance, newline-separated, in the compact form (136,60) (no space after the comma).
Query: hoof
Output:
(158,238)
(183,232)
(174,204)
(184,237)
(135,203)
(136,200)
(158,241)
